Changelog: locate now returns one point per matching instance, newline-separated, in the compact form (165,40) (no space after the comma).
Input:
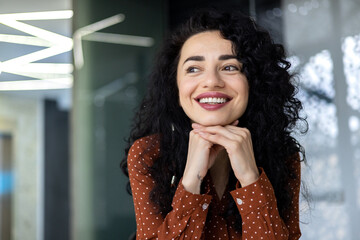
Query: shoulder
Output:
(145,150)
(294,166)
(294,163)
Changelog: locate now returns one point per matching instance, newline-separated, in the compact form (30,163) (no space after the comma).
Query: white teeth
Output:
(213,100)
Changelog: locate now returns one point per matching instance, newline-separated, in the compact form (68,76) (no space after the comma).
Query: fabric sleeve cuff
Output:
(254,196)
(185,203)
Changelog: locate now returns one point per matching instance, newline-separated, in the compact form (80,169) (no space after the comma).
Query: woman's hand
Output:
(201,156)
(238,144)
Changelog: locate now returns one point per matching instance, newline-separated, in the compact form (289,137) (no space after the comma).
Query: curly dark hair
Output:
(271,116)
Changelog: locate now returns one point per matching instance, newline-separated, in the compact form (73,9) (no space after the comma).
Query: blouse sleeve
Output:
(258,208)
(186,220)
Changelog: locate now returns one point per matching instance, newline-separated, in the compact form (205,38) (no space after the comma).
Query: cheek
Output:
(180,92)
(245,88)
(186,89)
(183,94)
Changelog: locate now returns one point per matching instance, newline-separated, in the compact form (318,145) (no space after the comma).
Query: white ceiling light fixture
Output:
(90,33)
(120,39)
(44,84)
(54,75)
(84,31)
(48,75)
(65,14)
(26,40)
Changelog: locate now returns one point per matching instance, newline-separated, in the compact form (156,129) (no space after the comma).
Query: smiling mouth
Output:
(213,101)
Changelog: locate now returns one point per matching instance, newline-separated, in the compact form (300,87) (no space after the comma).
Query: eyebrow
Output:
(227,57)
(194,58)
(201,58)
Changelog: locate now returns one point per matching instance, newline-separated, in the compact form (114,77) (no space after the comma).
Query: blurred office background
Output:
(71,73)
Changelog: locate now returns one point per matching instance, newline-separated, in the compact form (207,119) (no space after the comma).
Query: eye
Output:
(231,68)
(192,70)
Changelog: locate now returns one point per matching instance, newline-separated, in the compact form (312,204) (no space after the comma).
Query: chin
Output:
(214,122)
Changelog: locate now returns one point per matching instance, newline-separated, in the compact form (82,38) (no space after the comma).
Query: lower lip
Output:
(212,107)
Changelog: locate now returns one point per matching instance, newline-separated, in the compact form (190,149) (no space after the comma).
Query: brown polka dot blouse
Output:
(191,217)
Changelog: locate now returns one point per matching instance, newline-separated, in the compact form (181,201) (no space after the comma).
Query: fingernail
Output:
(195,125)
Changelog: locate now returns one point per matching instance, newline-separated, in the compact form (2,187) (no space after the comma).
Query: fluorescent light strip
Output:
(35,56)
(41,75)
(44,84)
(58,68)
(24,40)
(50,75)
(38,32)
(107,22)
(120,39)
(66,14)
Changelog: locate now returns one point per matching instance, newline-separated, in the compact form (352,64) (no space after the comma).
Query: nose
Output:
(213,80)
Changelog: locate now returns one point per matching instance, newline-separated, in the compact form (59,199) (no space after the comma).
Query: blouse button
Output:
(239,201)
(205,206)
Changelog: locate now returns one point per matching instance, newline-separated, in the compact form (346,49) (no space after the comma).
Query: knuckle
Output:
(214,128)
(247,131)
(241,138)
(234,145)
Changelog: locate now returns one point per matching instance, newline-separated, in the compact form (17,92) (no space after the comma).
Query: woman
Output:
(211,154)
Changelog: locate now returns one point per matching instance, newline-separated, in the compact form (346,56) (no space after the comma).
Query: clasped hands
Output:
(205,143)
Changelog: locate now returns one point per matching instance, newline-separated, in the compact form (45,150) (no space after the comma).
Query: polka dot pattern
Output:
(200,216)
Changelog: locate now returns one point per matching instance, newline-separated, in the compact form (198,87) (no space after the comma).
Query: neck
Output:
(220,172)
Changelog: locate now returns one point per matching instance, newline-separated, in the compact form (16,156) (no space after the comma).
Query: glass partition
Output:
(322,37)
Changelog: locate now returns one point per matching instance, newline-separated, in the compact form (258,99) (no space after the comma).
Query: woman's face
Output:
(212,89)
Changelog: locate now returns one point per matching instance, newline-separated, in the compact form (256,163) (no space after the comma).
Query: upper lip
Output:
(213,95)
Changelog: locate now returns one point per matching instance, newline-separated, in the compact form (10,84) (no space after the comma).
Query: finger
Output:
(239,131)
(236,134)
(219,139)
(197,139)
(243,132)
(196,126)
(235,123)
(218,130)
(230,132)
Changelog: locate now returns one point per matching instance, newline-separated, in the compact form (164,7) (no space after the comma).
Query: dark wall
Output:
(56,171)
(266,13)
(269,15)
(179,11)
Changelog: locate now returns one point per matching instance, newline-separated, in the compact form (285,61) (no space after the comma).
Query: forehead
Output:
(210,42)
